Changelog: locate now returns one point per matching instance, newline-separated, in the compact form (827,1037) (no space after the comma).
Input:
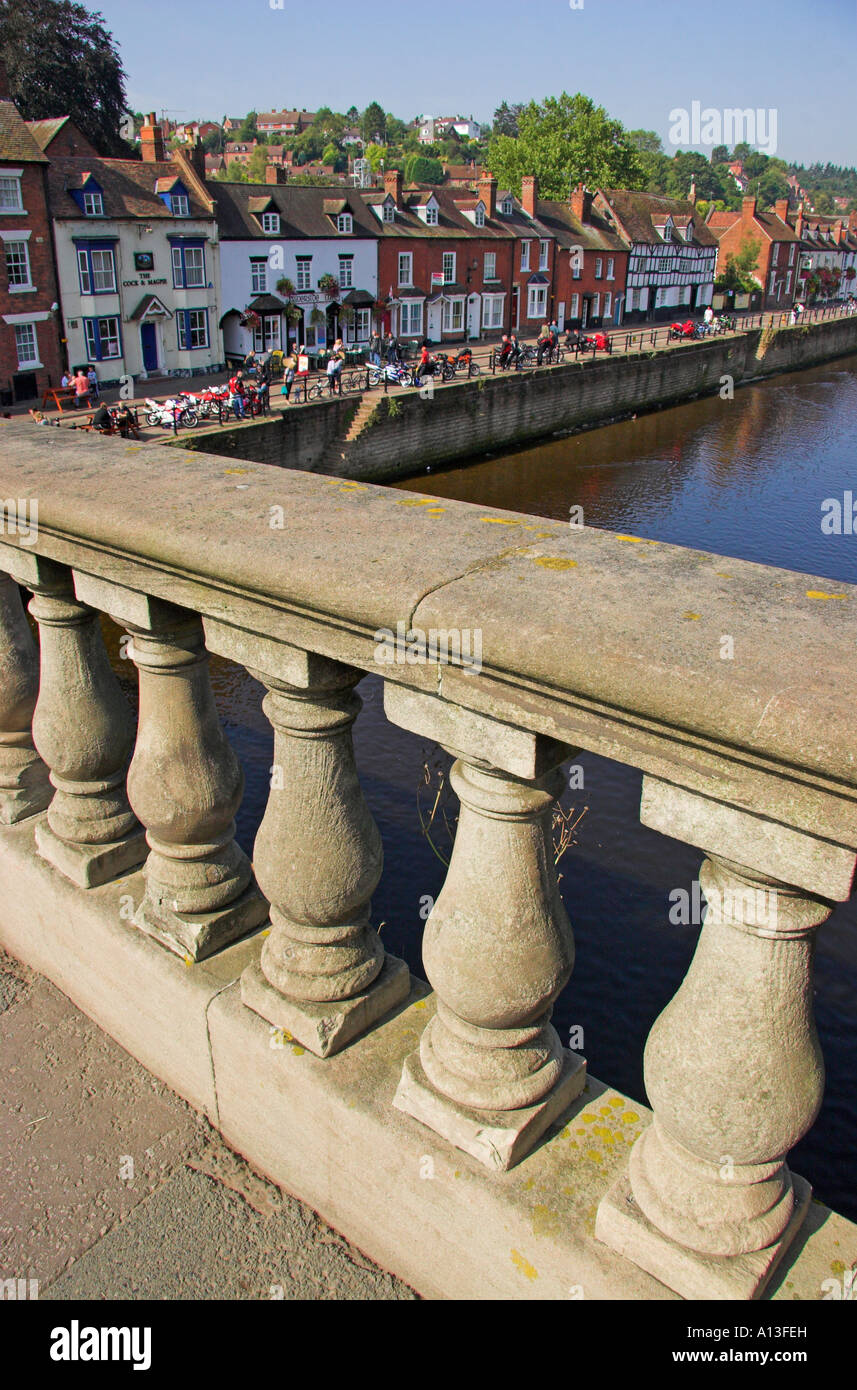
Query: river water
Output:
(744,478)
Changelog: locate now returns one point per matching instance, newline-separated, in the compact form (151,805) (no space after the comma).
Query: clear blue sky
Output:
(638,58)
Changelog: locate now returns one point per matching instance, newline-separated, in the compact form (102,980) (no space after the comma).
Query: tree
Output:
(420,168)
(373,123)
(646,141)
(376,154)
(61,61)
(563,140)
(249,130)
(257,165)
(740,265)
(720,154)
(506,119)
(687,167)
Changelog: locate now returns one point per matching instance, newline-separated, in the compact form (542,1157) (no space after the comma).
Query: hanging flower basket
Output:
(250,319)
(317,317)
(346,313)
(285,287)
(328,284)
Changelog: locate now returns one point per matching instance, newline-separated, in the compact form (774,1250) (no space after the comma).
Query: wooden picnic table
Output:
(58,394)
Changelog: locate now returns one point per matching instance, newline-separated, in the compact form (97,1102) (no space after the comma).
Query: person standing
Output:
(289,367)
(375,348)
(237,395)
(543,344)
(92,378)
(709,317)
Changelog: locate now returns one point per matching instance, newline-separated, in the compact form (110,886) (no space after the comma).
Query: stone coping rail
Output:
(562,638)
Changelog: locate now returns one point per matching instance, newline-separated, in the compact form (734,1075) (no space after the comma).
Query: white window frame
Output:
(303,273)
(448,267)
(267,337)
(479,217)
(388,213)
(258,275)
(599,267)
(506,207)
(611,268)
(492,311)
(574,307)
(431,216)
(629,301)
(10,181)
(346,272)
(489,266)
(270,221)
(180,205)
(186,331)
(453,314)
(362,325)
(344,222)
(17,247)
(194,272)
(29,330)
(775,253)
(412,311)
(544,254)
(406,259)
(537,301)
(93,204)
(792,254)
(608,303)
(788,281)
(525,255)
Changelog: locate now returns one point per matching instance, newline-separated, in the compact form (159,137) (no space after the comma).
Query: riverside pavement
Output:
(114,1188)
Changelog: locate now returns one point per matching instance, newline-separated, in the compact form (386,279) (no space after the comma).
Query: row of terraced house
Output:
(142,267)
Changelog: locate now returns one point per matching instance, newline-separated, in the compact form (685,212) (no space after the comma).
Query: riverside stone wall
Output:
(406,432)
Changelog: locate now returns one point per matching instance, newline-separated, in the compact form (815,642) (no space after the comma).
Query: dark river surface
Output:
(742,478)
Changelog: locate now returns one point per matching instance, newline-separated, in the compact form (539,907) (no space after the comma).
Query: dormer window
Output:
(180,205)
(431,215)
(688,232)
(388,212)
(479,218)
(270,221)
(344,222)
(93,205)
(506,207)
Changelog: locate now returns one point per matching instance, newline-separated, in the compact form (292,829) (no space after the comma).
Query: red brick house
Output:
(591,263)
(30,356)
(444,261)
(777,262)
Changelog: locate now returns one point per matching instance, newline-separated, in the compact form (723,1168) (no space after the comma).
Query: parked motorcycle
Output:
(178,411)
(400,376)
(683,330)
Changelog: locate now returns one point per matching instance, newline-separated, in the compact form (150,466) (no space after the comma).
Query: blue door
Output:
(149,343)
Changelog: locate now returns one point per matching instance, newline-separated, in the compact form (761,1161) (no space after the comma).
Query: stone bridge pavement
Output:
(112,1187)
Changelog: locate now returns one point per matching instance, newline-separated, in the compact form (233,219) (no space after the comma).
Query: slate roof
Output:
(638,213)
(128,186)
(301,209)
(594,235)
(17,141)
(451,221)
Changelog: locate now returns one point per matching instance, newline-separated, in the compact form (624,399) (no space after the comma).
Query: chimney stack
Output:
(486,188)
(393,185)
(581,202)
(197,157)
(748,209)
(529,194)
(781,208)
(275,173)
(152,145)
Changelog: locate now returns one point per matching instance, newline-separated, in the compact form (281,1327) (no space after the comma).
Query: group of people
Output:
(389,346)
(510,351)
(85,384)
(547,341)
(251,375)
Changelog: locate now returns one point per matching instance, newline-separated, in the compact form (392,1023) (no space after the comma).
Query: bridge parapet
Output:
(514,643)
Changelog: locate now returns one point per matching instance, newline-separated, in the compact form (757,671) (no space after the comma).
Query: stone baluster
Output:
(324,975)
(491,1073)
(24,785)
(83,730)
(184,783)
(733,1068)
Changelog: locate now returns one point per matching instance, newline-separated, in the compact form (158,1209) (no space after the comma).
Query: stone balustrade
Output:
(587,641)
